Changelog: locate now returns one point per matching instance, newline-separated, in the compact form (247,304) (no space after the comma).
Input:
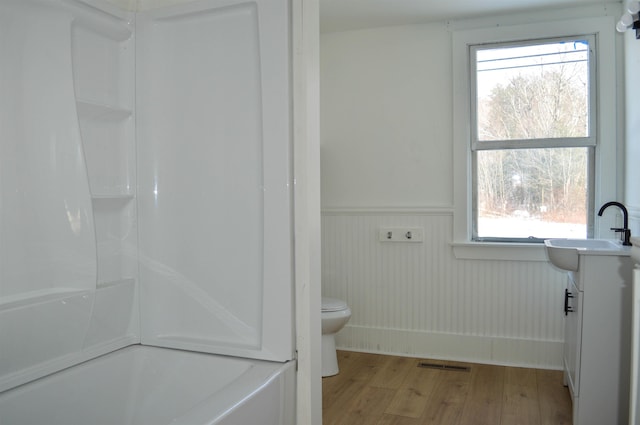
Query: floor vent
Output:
(444,367)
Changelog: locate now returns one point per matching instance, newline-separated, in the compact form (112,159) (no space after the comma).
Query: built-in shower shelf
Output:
(102,24)
(99,111)
(108,198)
(110,283)
(38,297)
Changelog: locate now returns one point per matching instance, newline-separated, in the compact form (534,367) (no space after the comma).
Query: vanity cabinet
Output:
(597,338)
(634,397)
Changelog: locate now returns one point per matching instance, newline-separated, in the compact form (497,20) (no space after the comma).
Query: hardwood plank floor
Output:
(375,389)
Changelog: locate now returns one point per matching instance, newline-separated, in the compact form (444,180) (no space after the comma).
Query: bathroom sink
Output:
(565,253)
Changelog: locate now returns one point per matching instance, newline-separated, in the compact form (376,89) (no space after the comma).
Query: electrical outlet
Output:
(400,234)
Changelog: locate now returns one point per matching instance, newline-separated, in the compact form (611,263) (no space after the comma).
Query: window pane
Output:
(533,91)
(539,193)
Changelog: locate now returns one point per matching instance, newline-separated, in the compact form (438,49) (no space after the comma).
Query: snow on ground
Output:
(523,227)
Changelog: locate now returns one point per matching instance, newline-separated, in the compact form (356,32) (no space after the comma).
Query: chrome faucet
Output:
(625,233)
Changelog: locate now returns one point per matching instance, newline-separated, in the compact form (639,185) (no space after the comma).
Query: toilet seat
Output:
(333,304)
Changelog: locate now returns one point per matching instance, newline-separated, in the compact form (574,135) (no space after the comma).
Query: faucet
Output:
(624,231)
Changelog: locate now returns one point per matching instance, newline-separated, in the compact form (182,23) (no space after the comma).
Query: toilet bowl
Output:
(335,314)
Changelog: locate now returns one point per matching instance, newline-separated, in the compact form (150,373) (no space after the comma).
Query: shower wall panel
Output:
(47,237)
(66,295)
(209,183)
(214,178)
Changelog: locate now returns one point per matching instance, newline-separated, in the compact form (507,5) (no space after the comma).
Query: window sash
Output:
(588,141)
(568,142)
(591,158)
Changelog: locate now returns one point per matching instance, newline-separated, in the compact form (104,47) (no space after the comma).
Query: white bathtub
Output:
(147,385)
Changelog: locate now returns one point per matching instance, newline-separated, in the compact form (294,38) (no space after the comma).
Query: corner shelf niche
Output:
(107,133)
(103,66)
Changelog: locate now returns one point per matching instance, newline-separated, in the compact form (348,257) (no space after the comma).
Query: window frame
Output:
(589,141)
(606,179)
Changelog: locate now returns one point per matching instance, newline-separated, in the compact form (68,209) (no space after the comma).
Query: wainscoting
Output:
(417,299)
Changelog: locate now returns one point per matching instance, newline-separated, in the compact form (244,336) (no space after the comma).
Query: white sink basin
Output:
(565,253)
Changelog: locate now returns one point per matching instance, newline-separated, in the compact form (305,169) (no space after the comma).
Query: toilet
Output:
(335,314)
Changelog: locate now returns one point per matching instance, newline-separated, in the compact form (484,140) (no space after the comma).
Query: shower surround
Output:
(146,181)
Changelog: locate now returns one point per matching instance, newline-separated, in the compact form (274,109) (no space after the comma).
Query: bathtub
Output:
(140,385)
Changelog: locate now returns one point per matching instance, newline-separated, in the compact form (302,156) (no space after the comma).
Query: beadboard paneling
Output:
(418,299)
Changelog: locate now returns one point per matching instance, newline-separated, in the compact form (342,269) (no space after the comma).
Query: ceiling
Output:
(343,15)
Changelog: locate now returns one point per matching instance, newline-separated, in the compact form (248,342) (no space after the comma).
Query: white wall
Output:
(386,141)
(386,117)
(632,130)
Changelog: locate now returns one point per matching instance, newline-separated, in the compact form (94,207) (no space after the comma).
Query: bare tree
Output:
(547,182)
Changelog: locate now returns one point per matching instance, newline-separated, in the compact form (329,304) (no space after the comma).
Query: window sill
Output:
(499,251)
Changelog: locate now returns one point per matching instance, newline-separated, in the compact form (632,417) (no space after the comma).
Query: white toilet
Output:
(335,314)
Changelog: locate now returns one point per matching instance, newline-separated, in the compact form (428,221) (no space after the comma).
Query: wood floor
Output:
(373,389)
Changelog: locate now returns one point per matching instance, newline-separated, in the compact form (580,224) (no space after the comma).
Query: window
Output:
(532,138)
(513,203)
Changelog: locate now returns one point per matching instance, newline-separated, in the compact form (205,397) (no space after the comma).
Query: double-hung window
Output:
(533,138)
(535,132)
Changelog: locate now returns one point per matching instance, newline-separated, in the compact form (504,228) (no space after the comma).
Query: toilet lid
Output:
(333,304)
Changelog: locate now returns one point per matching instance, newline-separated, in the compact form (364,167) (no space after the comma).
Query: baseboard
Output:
(531,353)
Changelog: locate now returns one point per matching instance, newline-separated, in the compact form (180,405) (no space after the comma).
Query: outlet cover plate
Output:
(400,234)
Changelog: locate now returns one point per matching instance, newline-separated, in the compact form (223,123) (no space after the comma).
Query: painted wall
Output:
(632,130)
(386,143)
(386,117)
